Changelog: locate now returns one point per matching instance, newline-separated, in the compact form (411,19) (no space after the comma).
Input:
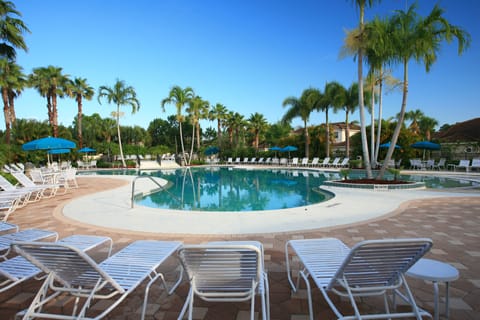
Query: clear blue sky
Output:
(246,54)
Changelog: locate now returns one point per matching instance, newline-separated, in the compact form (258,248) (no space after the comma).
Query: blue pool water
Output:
(229,189)
(236,189)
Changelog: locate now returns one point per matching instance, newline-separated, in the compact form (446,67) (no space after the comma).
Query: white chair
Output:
(253,160)
(314,162)
(47,190)
(465,164)
(440,164)
(237,160)
(294,162)
(304,162)
(370,268)
(475,164)
(325,162)
(18,269)
(344,163)
(80,276)
(261,161)
(6,240)
(335,162)
(230,271)
(229,160)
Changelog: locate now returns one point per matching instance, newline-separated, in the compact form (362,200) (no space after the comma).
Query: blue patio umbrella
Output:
(58,151)
(387,145)
(275,148)
(212,150)
(425,145)
(289,149)
(48,143)
(86,150)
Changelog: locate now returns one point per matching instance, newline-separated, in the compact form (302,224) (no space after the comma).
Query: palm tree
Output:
(302,107)
(50,83)
(415,116)
(427,126)
(180,97)
(79,89)
(334,97)
(11,30)
(219,113)
(12,83)
(197,110)
(350,105)
(410,30)
(120,95)
(257,124)
(361,41)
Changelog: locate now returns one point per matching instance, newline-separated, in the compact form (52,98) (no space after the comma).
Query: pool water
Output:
(231,189)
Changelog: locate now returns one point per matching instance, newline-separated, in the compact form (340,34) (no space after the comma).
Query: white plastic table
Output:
(434,271)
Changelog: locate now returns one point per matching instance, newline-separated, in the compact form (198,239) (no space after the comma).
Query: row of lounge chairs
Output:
(337,162)
(228,271)
(418,164)
(41,184)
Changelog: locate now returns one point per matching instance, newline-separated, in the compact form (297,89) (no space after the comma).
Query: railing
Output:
(152,179)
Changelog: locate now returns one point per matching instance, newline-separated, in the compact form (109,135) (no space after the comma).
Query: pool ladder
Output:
(133,187)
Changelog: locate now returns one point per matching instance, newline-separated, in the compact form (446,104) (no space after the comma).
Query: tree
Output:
(350,105)
(334,98)
(12,83)
(197,110)
(79,90)
(427,126)
(302,107)
(360,49)
(415,116)
(180,97)
(12,29)
(120,95)
(257,124)
(219,113)
(50,83)
(419,38)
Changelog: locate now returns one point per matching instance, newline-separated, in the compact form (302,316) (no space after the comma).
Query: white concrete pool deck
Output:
(112,209)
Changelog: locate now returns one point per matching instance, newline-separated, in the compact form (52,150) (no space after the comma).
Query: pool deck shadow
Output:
(452,221)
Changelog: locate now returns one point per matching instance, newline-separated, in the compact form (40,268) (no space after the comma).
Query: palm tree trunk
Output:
(193,143)
(380,106)
(198,135)
(363,129)
(181,142)
(372,126)
(120,138)
(328,133)
(307,140)
(79,121)
(398,127)
(54,116)
(6,115)
(347,135)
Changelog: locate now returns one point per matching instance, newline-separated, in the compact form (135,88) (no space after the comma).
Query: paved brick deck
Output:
(452,223)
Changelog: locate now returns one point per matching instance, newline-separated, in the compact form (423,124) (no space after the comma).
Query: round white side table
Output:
(435,271)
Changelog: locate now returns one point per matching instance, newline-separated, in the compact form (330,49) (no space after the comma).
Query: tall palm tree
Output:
(50,83)
(180,97)
(350,105)
(361,4)
(334,98)
(302,107)
(415,116)
(120,95)
(79,89)
(219,113)
(197,110)
(427,126)
(257,124)
(12,29)
(12,83)
(410,30)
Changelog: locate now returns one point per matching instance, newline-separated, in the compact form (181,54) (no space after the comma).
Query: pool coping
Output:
(112,209)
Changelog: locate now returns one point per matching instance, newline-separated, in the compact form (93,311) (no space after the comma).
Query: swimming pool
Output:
(236,189)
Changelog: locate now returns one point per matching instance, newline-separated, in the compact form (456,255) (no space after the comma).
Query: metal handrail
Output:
(133,187)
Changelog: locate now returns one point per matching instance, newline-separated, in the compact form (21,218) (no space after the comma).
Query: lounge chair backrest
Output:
(476,163)
(326,160)
(5,184)
(379,263)
(464,163)
(315,161)
(223,272)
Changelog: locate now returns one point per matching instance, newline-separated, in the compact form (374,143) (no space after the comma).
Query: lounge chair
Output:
(335,162)
(475,164)
(229,271)
(294,162)
(465,164)
(34,193)
(370,268)
(304,162)
(261,161)
(229,160)
(8,204)
(440,164)
(80,276)
(325,162)
(18,269)
(6,227)
(253,160)
(237,160)
(344,163)
(6,240)
(47,190)
(314,162)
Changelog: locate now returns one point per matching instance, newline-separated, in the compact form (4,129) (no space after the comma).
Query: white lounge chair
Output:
(294,162)
(18,269)
(465,164)
(6,240)
(304,162)
(325,162)
(81,276)
(314,162)
(344,163)
(47,190)
(335,162)
(475,164)
(230,271)
(370,268)
(229,160)
(440,164)
(6,227)
(30,194)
